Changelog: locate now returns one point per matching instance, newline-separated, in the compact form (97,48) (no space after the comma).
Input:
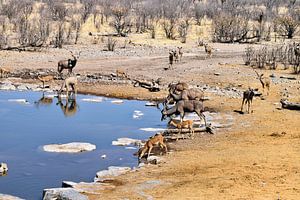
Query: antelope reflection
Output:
(44,101)
(68,106)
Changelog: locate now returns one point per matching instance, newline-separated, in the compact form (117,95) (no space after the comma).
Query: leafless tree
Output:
(87,8)
(287,26)
(58,13)
(121,21)
(183,29)
(228,28)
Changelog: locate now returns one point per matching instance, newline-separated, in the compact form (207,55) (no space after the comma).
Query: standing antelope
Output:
(171,59)
(69,83)
(176,56)
(208,50)
(67,64)
(180,53)
(265,81)
(184,106)
(44,79)
(297,55)
(184,124)
(4,72)
(247,98)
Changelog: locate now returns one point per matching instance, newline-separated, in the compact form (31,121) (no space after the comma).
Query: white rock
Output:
(63,193)
(74,147)
(88,188)
(150,104)
(7,86)
(152,129)
(117,101)
(51,96)
(3,167)
(103,156)
(141,165)
(111,171)
(137,114)
(8,197)
(152,158)
(126,142)
(131,148)
(95,99)
(22,87)
(22,101)
(37,89)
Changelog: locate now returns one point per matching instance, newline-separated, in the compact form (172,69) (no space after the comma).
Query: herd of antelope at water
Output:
(180,100)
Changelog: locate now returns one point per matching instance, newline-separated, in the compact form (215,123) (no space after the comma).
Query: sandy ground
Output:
(256,158)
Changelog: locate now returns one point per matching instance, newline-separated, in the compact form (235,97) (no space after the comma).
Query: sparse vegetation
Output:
(55,23)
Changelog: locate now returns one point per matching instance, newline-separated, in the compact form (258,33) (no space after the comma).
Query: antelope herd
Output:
(181,99)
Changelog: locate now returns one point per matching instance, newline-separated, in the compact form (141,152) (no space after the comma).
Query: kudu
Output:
(180,86)
(247,98)
(180,53)
(68,64)
(208,50)
(171,59)
(176,56)
(183,106)
(175,88)
(188,94)
(297,55)
(265,81)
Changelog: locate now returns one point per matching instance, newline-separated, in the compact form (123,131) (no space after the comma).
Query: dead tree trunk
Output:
(288,105)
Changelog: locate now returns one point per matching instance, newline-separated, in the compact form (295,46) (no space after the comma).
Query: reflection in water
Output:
(70,106)
(43,101)
(3,173)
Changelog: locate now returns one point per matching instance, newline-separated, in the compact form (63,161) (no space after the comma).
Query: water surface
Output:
(25,128)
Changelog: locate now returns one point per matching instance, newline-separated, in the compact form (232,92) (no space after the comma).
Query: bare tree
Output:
(183,29)
(120,12)
(87,8)
(232,28)
(287,26)
(170,16)
(58,13)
